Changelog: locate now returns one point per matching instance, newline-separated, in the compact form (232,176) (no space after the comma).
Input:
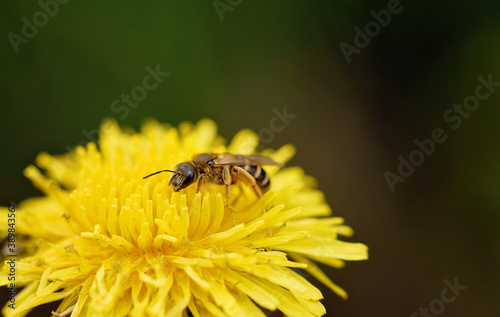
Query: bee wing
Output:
(252,160)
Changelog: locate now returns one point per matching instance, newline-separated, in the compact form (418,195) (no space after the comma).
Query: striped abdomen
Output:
(261,177)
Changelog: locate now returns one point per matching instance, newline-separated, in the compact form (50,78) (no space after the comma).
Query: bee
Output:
(222,169)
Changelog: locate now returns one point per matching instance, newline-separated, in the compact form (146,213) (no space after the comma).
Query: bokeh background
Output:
(352,120)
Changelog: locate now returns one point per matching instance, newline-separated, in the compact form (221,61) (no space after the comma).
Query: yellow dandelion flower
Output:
(109,243)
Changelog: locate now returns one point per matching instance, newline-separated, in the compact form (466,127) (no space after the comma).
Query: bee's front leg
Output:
(201,181)
(226,177)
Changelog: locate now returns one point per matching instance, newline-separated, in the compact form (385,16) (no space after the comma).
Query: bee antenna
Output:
(159,173)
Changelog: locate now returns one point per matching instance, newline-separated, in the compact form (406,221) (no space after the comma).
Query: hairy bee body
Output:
(222,169)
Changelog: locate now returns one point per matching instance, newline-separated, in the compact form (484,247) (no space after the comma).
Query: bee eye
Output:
(211,163)
(189,177)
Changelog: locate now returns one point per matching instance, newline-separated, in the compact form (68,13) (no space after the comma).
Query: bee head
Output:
(185,175)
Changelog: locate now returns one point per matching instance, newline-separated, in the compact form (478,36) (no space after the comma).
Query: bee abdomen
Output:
(261,177)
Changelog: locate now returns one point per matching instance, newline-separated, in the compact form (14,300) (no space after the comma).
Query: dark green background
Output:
(352,119)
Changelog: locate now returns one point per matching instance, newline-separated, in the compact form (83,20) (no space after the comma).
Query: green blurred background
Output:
(352,120)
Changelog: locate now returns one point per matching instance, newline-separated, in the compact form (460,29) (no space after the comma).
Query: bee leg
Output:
(240,174)
(228,192)
(200,182)
(226,177)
